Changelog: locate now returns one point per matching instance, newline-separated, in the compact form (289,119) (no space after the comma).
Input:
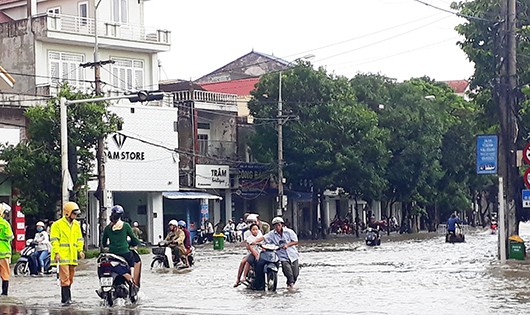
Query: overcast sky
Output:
(397,38)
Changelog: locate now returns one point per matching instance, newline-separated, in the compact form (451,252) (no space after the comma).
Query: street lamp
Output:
(282,201)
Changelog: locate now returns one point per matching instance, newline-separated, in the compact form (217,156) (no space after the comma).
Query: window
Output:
(120,11)
(64,67)
(128,74)
(202,140)
(54,19)
(83,13)
(54,10)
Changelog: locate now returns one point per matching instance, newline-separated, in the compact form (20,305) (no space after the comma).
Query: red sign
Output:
(19,227)
(526,178)
(526,153)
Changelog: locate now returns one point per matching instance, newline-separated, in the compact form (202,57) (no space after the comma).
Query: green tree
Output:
(334,142)
(34,165)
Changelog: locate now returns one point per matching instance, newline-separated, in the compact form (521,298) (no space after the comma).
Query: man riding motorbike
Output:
(287,240)
(452,223)
(116,235)
(174,238)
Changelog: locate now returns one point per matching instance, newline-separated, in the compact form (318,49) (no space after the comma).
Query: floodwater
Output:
(412,274)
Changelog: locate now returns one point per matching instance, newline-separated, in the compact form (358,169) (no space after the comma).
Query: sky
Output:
(400,39)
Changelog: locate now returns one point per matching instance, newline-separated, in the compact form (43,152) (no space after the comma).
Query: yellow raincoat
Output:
(6,236)
(67,240)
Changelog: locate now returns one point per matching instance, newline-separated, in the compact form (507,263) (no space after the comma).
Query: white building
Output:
(45,43)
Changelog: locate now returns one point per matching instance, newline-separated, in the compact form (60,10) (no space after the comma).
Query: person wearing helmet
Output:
(42,247)
(254,218)
(287,240)
(174,238)
(185,246)
(116,236)
(67,245)
(6,236)
(136,230)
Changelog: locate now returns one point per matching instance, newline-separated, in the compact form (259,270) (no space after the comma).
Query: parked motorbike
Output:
(372,237)
(22,267)
(272,265)
(163,257)
(113,285)
(200,237)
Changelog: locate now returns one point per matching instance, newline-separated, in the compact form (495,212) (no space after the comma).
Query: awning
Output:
(189,195)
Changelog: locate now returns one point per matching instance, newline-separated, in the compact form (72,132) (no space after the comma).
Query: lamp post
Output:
(281,120)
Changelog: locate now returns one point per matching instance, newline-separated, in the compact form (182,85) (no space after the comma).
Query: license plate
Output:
(105,281)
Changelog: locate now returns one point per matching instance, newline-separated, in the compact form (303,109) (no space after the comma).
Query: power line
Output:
(455,13)
(381,41)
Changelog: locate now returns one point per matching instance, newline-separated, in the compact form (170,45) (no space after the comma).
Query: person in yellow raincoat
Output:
(67,243)
(6,236)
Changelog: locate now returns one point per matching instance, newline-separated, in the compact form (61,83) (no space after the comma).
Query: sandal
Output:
(237,284)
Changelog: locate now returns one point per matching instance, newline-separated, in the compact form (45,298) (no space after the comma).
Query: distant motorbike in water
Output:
(270,269)
(113,284)
(22,267)
(455,237)
(163,257)
(372,237)
(494,227)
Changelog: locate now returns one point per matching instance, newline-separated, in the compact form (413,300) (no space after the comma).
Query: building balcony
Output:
(61,28)
(208,100)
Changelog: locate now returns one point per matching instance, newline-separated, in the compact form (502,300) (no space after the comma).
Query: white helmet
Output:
(40,223)
(252,217)
(173,222)
(277,220)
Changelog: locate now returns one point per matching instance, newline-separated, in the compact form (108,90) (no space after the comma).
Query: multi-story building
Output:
(208,153)
(48,42)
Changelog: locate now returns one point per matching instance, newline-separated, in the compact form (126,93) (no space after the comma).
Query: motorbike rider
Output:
(116,236)
(6,236)
(253,252)
(229,230)
(452,223)
(184,246)
(287,240)
(240,229)
(67,244)
(42,248)
(174,238)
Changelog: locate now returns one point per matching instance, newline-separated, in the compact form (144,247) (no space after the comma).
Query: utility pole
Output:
(101,192)
(508,171)
(279,210)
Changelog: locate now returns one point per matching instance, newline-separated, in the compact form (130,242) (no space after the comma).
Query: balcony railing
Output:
(85,26)
(206,96)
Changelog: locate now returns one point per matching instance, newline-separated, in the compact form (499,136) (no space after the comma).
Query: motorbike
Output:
(22,267)
(372,237)
(200,237)
(494,227)
(163,257)
(272,265)
(113,284)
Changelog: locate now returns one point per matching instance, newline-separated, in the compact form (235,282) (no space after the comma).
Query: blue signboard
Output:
(487,154)
(526,198)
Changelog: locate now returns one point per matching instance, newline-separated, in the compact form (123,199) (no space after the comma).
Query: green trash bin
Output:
(517,248)
(219,241)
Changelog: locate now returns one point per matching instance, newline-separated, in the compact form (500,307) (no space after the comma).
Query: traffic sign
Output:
(526,153)
(526,198)
(487,154)
(526,178)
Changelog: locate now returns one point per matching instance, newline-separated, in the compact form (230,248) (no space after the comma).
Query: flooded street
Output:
(413,274)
